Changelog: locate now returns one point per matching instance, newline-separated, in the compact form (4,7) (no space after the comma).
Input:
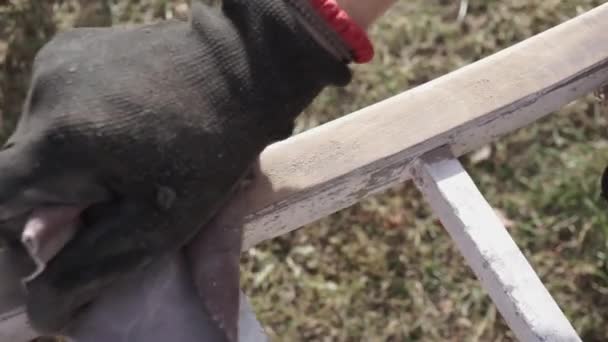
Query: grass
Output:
(384,269)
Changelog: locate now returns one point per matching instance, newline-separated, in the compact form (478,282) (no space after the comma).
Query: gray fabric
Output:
(157,305)
(11,292)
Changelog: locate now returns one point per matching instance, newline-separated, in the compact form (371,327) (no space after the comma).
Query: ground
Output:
(385,270)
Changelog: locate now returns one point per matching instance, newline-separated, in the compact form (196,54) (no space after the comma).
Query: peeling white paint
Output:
(487,247)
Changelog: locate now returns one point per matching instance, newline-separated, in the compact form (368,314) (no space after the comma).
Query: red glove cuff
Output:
(353,35)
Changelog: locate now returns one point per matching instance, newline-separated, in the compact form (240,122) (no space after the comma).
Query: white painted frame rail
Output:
(489,250)
(333,166)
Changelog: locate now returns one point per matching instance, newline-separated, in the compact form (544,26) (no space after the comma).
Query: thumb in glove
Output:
(144,132)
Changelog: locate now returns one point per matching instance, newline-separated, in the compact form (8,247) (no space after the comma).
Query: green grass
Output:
(384,269)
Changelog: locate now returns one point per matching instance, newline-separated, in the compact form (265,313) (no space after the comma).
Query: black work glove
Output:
(148,129)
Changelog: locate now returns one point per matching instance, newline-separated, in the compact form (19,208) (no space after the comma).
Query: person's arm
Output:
(365,12)
(348,21)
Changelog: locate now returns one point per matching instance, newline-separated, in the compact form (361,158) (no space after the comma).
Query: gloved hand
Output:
(137,136)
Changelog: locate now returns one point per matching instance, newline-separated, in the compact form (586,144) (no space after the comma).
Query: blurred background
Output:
(384,269)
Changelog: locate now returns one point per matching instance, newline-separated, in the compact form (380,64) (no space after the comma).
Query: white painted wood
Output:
(14,326)
(333,166)
(157,306)
(489,250)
